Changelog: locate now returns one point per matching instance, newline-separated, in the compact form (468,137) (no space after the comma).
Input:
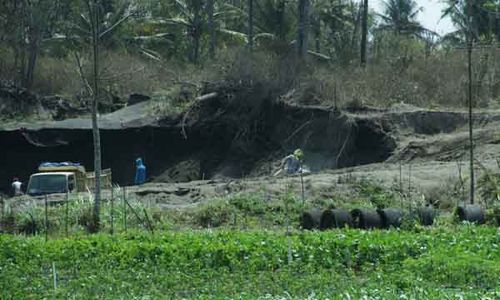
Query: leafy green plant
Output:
(379,196)
(489,185)
(213,214)
(221,264)
(8,223)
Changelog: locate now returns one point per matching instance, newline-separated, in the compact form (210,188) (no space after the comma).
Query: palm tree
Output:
(364,32)
(275,18)
(268,20)
(194,19)
(211,28)
(341,21)
(250,24)
(462,14)
(302,38)
(400,16)
(92,30)
(477,18)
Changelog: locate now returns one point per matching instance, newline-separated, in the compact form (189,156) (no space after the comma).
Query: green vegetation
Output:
(437,263)
(244,254)
(75,216)
(244,210)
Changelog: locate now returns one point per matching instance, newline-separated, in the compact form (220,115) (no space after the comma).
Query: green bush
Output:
(379,196)
(213,214)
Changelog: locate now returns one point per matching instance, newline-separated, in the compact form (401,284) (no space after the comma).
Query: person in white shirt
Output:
(16,187)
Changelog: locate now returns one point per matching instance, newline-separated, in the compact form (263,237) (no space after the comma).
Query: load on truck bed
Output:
(53,178)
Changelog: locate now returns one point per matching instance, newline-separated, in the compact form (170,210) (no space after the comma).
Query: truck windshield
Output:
(47,184)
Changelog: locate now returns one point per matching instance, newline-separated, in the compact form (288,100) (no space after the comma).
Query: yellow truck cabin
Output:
(51,183)
(53,178)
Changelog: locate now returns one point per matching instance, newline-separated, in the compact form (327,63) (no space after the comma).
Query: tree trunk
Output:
(317,38)
(356,19)
(471,140)
(303,28)
(95,125)
(21,67)
(364,32)
(211,28)
(196,34)
(281,20)
(33,48)
(250,24)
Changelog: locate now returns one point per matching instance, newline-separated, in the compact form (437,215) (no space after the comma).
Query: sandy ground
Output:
(427,164)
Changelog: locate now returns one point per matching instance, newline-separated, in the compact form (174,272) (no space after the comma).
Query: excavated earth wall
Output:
(221,138)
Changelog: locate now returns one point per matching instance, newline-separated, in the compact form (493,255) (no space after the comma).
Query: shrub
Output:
(213,214)
(379,196)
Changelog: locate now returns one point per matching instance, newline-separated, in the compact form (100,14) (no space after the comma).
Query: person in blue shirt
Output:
(140,172)
(292,164)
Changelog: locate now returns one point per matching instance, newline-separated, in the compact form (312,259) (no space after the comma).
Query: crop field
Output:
(239,247)
(443,262)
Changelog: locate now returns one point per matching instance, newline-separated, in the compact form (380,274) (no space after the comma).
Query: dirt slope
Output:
(244,132)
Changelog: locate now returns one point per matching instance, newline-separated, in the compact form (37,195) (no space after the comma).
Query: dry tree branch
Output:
(177,76)
(349,122)
(122,74)
(112,27)
(195,103)
(82,76)
(297,131)
(342,148)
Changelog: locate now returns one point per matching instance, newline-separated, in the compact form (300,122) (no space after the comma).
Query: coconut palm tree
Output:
(341,20)
(400,16)
(194,19)
(364,33)
(479,19)
(466,15)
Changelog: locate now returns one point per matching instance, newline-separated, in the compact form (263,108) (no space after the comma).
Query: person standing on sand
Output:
(16,187)
(140,172)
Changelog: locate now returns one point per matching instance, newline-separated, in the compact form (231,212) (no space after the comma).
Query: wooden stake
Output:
(54,275)
(67,214)
(303,190)
(125,208)
(401,183)
(2,203)
(150,225)
(46,219)
(112,210)
(409,188)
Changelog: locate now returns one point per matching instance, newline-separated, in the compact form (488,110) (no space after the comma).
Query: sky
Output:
(430,17)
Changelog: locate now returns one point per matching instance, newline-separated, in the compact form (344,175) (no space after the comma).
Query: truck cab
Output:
(65,177)
(51,183)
